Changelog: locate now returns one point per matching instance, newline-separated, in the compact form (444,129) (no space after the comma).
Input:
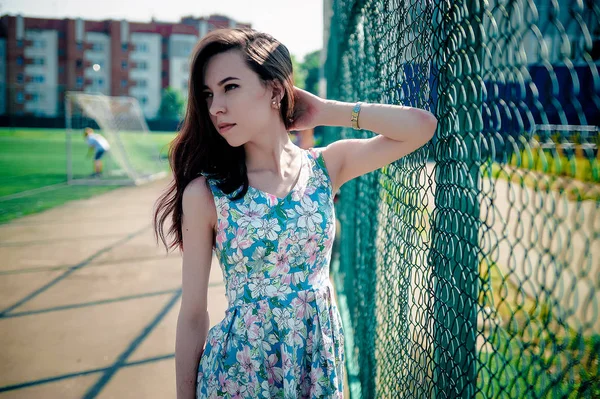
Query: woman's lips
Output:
(226,128)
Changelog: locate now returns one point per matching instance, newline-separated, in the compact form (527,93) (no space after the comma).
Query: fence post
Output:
(68,136)
(454,255)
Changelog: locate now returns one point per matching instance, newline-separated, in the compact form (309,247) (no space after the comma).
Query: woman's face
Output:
(239,104)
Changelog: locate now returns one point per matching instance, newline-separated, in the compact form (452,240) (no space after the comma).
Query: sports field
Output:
(33,171)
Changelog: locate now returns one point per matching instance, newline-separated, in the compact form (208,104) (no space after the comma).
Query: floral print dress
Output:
(282,334)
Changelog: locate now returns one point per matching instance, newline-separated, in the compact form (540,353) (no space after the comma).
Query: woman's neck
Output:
(273,153)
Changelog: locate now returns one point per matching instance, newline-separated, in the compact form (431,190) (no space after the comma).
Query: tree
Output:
(171,104)
(299,73)
(311,67)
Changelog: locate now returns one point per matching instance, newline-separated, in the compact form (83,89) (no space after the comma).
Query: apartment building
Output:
(41,59)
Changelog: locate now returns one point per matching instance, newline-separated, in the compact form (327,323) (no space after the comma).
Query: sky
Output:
(297,24)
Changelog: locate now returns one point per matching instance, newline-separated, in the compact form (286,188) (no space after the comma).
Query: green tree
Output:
(299,73)
(311,67)
(171,104)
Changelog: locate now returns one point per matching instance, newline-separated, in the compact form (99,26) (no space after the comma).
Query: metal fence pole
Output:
(68,136)
(457,42)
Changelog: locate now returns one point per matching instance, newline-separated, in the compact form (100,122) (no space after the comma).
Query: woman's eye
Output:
(207,95)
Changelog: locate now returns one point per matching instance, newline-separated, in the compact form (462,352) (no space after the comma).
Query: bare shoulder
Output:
(197,188)
(198,201)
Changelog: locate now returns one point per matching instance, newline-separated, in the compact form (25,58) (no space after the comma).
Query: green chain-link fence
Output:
(471,267)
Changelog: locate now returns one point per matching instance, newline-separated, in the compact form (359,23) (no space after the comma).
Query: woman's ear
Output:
(277,91)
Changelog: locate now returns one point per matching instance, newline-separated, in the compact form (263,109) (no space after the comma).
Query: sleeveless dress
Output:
(282,334)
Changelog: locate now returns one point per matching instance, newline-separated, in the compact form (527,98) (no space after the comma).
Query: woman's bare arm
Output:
(401,130)
(199,219)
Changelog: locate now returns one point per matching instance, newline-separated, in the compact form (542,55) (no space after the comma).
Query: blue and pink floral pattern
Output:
(282,334)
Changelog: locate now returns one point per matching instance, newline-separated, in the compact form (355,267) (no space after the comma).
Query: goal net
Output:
(133,157)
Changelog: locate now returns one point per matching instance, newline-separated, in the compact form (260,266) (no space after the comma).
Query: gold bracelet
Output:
(355,113)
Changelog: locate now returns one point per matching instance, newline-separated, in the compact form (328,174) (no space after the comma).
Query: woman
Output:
(242,188)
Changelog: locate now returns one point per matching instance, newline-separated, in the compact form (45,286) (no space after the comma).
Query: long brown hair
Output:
(198,148)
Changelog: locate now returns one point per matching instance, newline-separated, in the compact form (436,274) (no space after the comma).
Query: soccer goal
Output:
(133,157)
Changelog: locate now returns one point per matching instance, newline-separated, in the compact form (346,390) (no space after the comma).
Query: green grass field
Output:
(33,170)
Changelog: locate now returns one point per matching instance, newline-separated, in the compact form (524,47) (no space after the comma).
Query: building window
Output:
(20,78)
(20,60)
(38,43)
(123,83)
(79,63)
(79,46)
(142,65)
(38,61)
(143,100)
(141,48)
(37,79)
(79,82)
(124,47)
(100,82)
(19,43)
(37,97)
(124,65)
(97,47)
(142,83)
(20,97)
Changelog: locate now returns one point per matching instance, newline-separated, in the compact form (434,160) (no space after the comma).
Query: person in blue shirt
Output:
(97,143)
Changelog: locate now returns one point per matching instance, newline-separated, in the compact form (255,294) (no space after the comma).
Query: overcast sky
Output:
(297,24)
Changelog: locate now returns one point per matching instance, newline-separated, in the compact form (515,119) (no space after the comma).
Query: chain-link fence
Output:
(471,267)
